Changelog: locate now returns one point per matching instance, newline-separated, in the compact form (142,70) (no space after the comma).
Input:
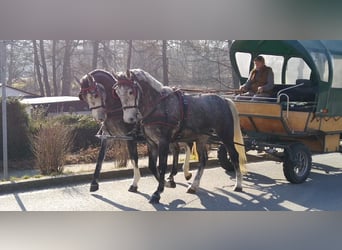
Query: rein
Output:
(162,98)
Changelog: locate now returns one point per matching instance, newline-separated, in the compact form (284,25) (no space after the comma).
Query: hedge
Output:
(18,132)
(20,128)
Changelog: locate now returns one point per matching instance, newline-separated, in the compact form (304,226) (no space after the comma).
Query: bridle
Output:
(95,90)
(137,92)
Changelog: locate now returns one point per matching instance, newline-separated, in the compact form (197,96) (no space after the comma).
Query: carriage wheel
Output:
(224,160)
(297,163)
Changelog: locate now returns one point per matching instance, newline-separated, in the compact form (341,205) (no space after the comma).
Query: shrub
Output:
(50,146)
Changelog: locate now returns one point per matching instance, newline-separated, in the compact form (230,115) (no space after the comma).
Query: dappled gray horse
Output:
(97,91)
(167,116)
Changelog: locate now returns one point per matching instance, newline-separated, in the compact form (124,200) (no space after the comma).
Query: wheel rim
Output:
(301,163)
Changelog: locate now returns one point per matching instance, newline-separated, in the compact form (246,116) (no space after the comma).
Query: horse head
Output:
(94,94)
(129,91)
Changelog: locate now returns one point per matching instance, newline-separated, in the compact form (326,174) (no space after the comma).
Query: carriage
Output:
(303,115)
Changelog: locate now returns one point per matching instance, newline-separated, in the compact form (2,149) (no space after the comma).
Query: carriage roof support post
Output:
(4,107)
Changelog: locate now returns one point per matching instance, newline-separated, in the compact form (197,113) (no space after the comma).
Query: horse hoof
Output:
(94,187)
(188,177)
(155,199)
(133,189)
(191,190)
(238,189)
(170,184)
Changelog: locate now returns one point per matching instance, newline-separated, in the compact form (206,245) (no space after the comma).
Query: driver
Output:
(260,82)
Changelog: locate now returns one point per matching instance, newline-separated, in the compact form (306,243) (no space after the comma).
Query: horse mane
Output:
(142,75)
(110,75)
(84,80)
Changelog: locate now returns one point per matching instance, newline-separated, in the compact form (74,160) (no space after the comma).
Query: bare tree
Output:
(45,72)
(10,64)
(234,75)
(165,63)
(95,53)
(37,67)
(129,54)
(54,68)
(187,63)
(66,74)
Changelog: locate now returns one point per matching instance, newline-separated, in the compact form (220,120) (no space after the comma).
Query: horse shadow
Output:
(317,193)
(113,203)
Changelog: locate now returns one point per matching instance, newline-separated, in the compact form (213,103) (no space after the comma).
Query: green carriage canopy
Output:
(323,57)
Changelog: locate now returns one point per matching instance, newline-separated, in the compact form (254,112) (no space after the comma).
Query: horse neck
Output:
(110,100)
(149,97)
(107,82)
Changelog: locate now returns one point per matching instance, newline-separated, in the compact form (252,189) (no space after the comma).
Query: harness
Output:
(163,118)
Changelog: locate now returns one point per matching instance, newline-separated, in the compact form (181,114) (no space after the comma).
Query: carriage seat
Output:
(305,93)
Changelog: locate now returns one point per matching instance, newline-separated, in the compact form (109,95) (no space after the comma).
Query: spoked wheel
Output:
(297,163)
(224,159)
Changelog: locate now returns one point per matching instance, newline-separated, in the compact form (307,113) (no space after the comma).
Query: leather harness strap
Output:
(165,119)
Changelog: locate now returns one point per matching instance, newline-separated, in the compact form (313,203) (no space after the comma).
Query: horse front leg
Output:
(94,186)
(152,149)
(163,152)
(133,155)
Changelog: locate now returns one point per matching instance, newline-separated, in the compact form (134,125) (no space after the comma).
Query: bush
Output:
(50,146)
(84,129)
(18,132)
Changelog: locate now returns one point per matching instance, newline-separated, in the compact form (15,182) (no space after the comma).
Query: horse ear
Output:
(128,74)
(115,75)
(133,76)
(90,79)
(78,80)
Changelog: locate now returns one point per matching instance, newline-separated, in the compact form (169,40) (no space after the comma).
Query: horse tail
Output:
(238,139)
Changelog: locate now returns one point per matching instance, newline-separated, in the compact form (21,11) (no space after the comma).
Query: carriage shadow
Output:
(326,168)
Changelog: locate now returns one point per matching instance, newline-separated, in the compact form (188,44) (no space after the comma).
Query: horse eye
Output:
(130,92)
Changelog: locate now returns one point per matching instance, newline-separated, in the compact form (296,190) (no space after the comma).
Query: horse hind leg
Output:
(170,183)
(133,155)
(234,156)
(203,157)
(186,165)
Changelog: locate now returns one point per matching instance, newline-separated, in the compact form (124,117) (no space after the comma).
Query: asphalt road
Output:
(265,188)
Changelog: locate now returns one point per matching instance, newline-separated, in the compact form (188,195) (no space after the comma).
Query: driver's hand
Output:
(260,90)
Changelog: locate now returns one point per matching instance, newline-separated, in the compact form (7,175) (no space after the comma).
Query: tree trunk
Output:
(54,68)
(236,81)
(66,75)
(129,54)
(165,64)
(37,67)
(45,72)
(95,54)
(10,65)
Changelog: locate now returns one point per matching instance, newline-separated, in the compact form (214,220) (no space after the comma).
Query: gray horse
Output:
(167,116)
(96,91)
